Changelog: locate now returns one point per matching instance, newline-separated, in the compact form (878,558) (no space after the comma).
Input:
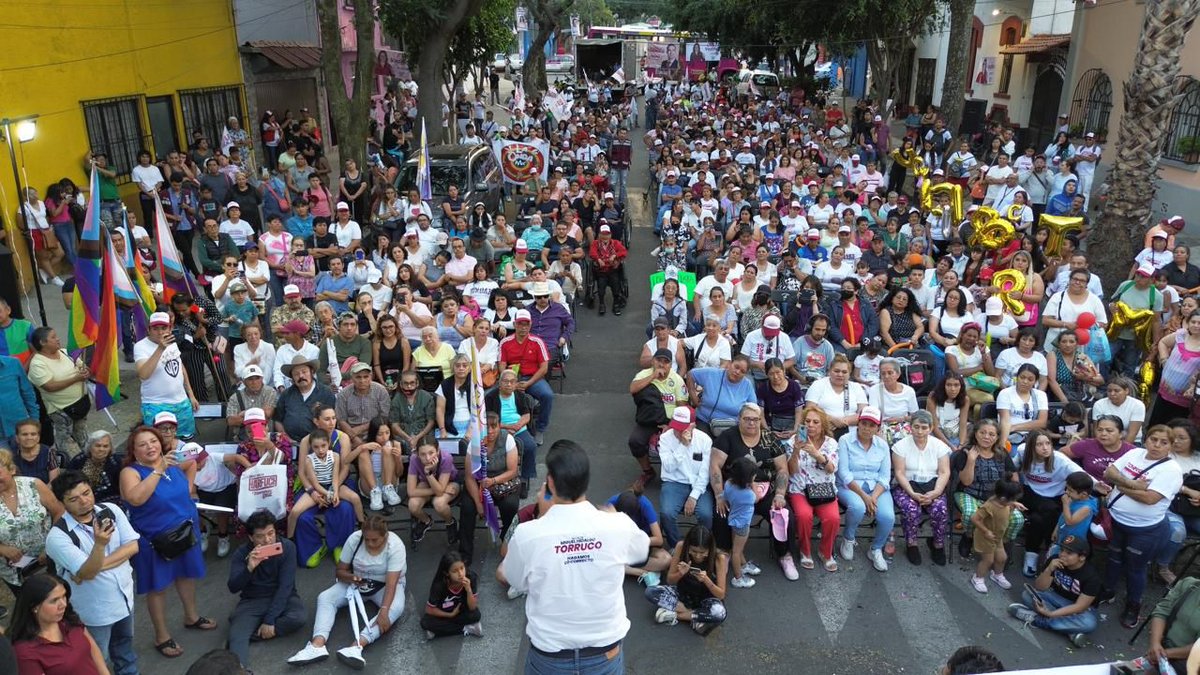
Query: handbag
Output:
(981,381)
(820,493)
(922,487)
(79,409)
(263,486)
(367,587)
(176,541)
(1182,505)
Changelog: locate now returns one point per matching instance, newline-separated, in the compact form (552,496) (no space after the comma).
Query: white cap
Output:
(814,233)
(291,290)
(374,276)
(1089,135)
(165,417)
(160,319)
(1145,270)
(343,206)
(253,415)
(233,205)
(870,414)
(855,158)
(994,306)
(605,229)
(845,229)
(609,195)
(252,370)
(522,315)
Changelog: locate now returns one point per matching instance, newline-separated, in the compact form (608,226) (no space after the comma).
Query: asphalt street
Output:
(855,621)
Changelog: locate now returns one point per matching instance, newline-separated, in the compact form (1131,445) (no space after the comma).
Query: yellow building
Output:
(117,75)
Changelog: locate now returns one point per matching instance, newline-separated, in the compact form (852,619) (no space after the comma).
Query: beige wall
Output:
(1109,37)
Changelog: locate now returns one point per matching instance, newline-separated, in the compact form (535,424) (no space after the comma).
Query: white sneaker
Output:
(875,555)
(352,656)
(1001,580)
(473,629)
(376,499)
(666,616)
(58,282)
(513,593)
(222,546)
(743,581)
(310,654)
(204,542)
(390,496)
(751,569)
(847,549)
(979,584)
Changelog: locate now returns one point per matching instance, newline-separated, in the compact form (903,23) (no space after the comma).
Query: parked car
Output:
(515,62)
(765,83)
(560,63)
(499,61)
(472,168)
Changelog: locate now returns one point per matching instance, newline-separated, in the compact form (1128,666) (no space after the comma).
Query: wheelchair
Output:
(591,289)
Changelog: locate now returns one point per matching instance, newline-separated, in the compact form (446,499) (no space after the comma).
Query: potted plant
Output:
(1188,148)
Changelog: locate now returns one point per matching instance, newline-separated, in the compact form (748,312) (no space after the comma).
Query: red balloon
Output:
(1083,335)
(1085,321)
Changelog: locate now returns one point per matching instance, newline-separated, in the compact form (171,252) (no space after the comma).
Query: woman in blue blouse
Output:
(864,473)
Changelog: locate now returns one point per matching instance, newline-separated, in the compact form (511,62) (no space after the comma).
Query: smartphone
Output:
(1032,591)
(271,550)
(802,435)
(106,523)
(258,432)
(358,255)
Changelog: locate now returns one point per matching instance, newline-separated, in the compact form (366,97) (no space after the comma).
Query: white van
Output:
(765,83)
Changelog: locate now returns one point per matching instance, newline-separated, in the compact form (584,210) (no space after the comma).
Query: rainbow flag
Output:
(85,299)
(424,183)
(104,365)
(175,277)
(144,294)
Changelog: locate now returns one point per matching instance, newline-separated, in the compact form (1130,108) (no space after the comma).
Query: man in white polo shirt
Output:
(571,563)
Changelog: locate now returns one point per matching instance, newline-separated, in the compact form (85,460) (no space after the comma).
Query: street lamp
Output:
(26,129)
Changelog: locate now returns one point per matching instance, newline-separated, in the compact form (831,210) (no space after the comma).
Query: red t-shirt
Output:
(529,354)
(72,656)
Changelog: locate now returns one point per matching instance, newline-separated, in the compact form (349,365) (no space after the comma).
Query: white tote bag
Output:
(263,486)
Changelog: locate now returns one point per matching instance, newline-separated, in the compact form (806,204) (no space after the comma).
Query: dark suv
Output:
(472,168)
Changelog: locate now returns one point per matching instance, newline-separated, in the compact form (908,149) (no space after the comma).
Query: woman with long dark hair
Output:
(47,636)
(695,588)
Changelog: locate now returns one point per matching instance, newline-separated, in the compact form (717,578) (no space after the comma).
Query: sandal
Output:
(201,623)
(806,562)
(830,565)
(169,649)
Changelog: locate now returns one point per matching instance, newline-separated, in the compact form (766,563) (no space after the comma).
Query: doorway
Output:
(1043,110)
(926,68)
(163,131)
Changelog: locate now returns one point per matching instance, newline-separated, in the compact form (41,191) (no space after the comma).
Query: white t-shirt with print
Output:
(393,558)
(1165,479)
(165,384)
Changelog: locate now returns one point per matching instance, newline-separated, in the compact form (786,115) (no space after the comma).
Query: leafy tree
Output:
(958,52)
(594,13)
(428,29)
(1152,91)
(549,15)
(351,113)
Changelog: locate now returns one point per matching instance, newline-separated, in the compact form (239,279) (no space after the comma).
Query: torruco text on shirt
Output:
(577,549)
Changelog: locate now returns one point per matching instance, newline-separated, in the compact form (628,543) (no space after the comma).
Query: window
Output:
(1091,104)
(1183,133)
(114,126)
(207,110)
(1010,34)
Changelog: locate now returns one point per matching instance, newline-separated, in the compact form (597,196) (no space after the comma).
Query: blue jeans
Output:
(537,663)
(885,515)
(620,179)
(545,395)
(1180,528)
(1082,622)
(672,497)
(528,448)
(1125,357)
(116,644)
(65,232)
(1130,553)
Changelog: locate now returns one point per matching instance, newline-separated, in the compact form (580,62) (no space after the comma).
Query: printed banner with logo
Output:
(521,160)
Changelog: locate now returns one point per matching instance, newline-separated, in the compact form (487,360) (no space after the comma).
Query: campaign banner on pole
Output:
(662,60)
(521,160)
(522,19)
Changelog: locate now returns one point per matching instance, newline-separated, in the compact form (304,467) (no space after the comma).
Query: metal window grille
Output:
(208,109)
(114,127)
(1091,103)
(1183,133)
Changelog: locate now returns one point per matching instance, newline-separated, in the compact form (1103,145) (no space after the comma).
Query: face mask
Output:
(846,295)
(668,250)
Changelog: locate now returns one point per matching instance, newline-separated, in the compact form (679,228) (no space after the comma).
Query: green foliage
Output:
(1188,145)
(486,33)
(592,13)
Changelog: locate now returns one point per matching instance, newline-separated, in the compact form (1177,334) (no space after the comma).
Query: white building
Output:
(1017,66)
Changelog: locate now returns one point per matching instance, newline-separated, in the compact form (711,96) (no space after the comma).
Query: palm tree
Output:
(1151,93)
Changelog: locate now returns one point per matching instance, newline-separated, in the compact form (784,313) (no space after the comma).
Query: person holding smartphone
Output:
(263,572)
(91,545)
